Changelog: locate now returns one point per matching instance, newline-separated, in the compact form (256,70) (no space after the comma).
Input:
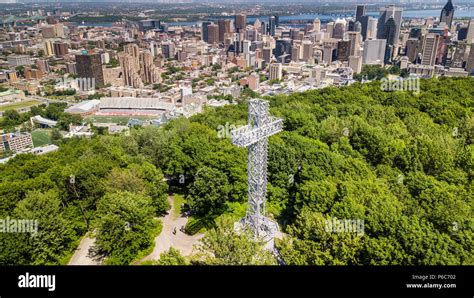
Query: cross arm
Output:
(246,136)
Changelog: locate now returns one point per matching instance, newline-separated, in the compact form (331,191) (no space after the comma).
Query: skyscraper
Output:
(205,31)
(317,25)
(224,28)
(272,24)
(374,51)
(371,32)
(354,46)
(447,14)
(213,33)
(283,46)
(470,60)
(343,48)
(339,29)
(430,48)
(470,32)
(386,13)
(240,22)
(390,31)
(360,12)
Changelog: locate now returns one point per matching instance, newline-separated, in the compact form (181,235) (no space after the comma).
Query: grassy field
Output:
(18,105)
(178,201)
(121,120)
(41,137)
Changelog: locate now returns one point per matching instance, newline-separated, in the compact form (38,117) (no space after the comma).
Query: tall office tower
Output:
(354,45)
(267,54)
(430,48)
(413,49)
(360,12)
(224,28)
(350,25)
(205,31)
(308,51)
(240,22)
(363,19)
(294,33)
(355,62)
(212,33)
(447,14)
(251,34)
(90,66)
(386,13)
(168,50)
(48,48)
(374,51)
(61,49)
(282,47)
(246,46)
(239,38)
(390,31)
(328,53)
(343,48)
(358,27)
(317,25)
(263,28)
(256,45)
(415,33)
(272,24)
(371,32)
(470,32)
(339,29)
(296,52)
(276,71)
(330,28)
(257,24)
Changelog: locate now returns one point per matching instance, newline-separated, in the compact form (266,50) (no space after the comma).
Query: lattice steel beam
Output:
(255,136)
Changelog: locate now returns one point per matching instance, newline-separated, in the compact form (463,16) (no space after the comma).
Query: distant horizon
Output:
(399,2)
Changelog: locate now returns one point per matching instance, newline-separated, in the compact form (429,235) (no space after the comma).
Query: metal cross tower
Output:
(255,136)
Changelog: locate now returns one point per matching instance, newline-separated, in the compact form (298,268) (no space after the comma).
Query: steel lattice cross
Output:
(255,136)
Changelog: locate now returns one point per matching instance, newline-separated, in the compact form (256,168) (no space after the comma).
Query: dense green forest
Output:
(403,162)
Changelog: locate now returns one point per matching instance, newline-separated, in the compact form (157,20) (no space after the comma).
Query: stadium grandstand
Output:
(134,106)
(84,108)
(43,122)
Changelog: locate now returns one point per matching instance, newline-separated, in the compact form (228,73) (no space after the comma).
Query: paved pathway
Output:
(184,243)
(83,254)
(181,241)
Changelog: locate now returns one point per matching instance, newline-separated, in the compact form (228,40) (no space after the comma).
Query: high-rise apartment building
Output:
(276,71)
(89,66)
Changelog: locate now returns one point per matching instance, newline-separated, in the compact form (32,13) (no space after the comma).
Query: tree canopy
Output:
(401,162)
